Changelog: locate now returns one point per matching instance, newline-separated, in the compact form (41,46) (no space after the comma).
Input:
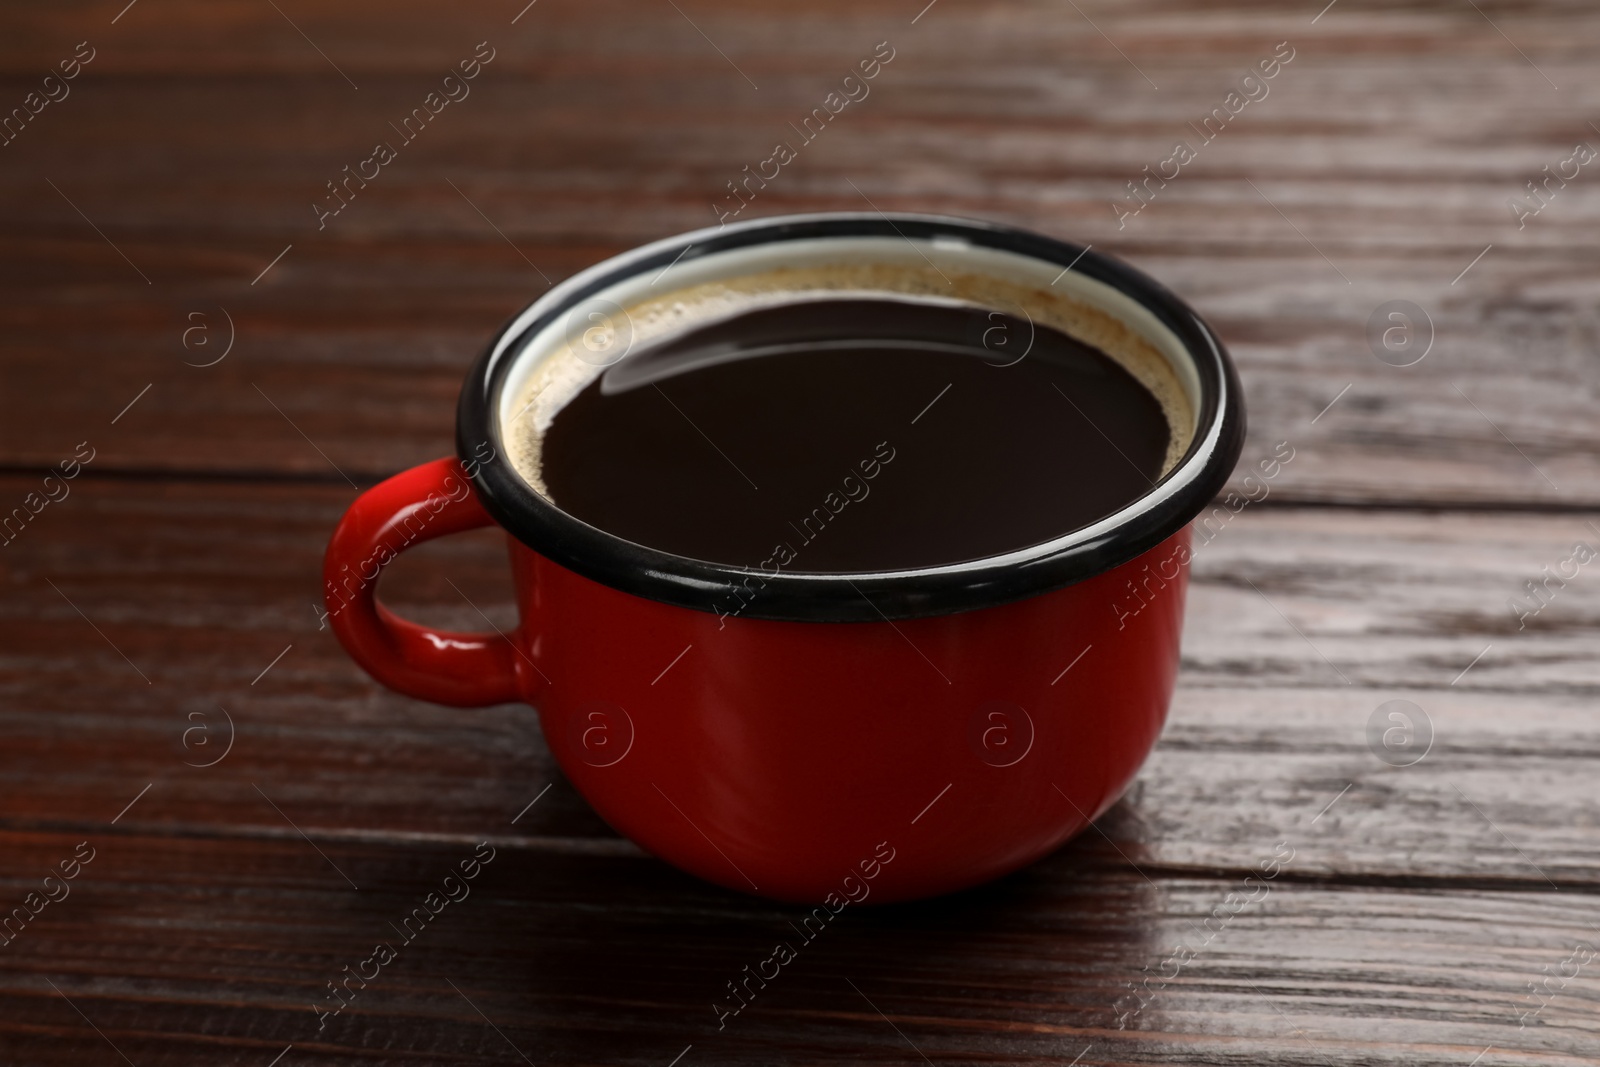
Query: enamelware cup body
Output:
(809,737)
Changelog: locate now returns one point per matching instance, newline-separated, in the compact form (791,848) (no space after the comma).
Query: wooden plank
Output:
(1394,161)
(216,603)
(210,950)
(1368,608)
(202,586)
(365,384)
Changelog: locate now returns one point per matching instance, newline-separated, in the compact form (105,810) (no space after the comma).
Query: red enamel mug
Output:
(890,735)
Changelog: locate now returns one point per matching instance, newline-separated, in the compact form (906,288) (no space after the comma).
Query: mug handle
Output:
(460,669)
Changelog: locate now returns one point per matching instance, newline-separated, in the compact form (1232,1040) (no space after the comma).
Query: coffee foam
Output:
(562,373)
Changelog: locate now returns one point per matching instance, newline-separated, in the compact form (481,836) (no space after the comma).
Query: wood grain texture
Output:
(1382,160)
(1302,621)
(181,950)
(174,590)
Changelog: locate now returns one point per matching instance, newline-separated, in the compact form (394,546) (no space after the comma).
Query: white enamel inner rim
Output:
(546,373)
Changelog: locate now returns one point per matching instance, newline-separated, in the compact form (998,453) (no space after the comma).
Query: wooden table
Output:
(1442,912)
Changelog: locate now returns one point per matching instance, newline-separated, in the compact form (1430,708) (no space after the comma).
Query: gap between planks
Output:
(620,848)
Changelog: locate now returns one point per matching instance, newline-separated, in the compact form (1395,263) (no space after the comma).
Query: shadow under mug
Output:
(812,737)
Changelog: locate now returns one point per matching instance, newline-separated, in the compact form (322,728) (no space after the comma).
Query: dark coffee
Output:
(848,435)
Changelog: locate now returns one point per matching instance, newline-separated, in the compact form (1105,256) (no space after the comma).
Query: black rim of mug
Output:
(751,593)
